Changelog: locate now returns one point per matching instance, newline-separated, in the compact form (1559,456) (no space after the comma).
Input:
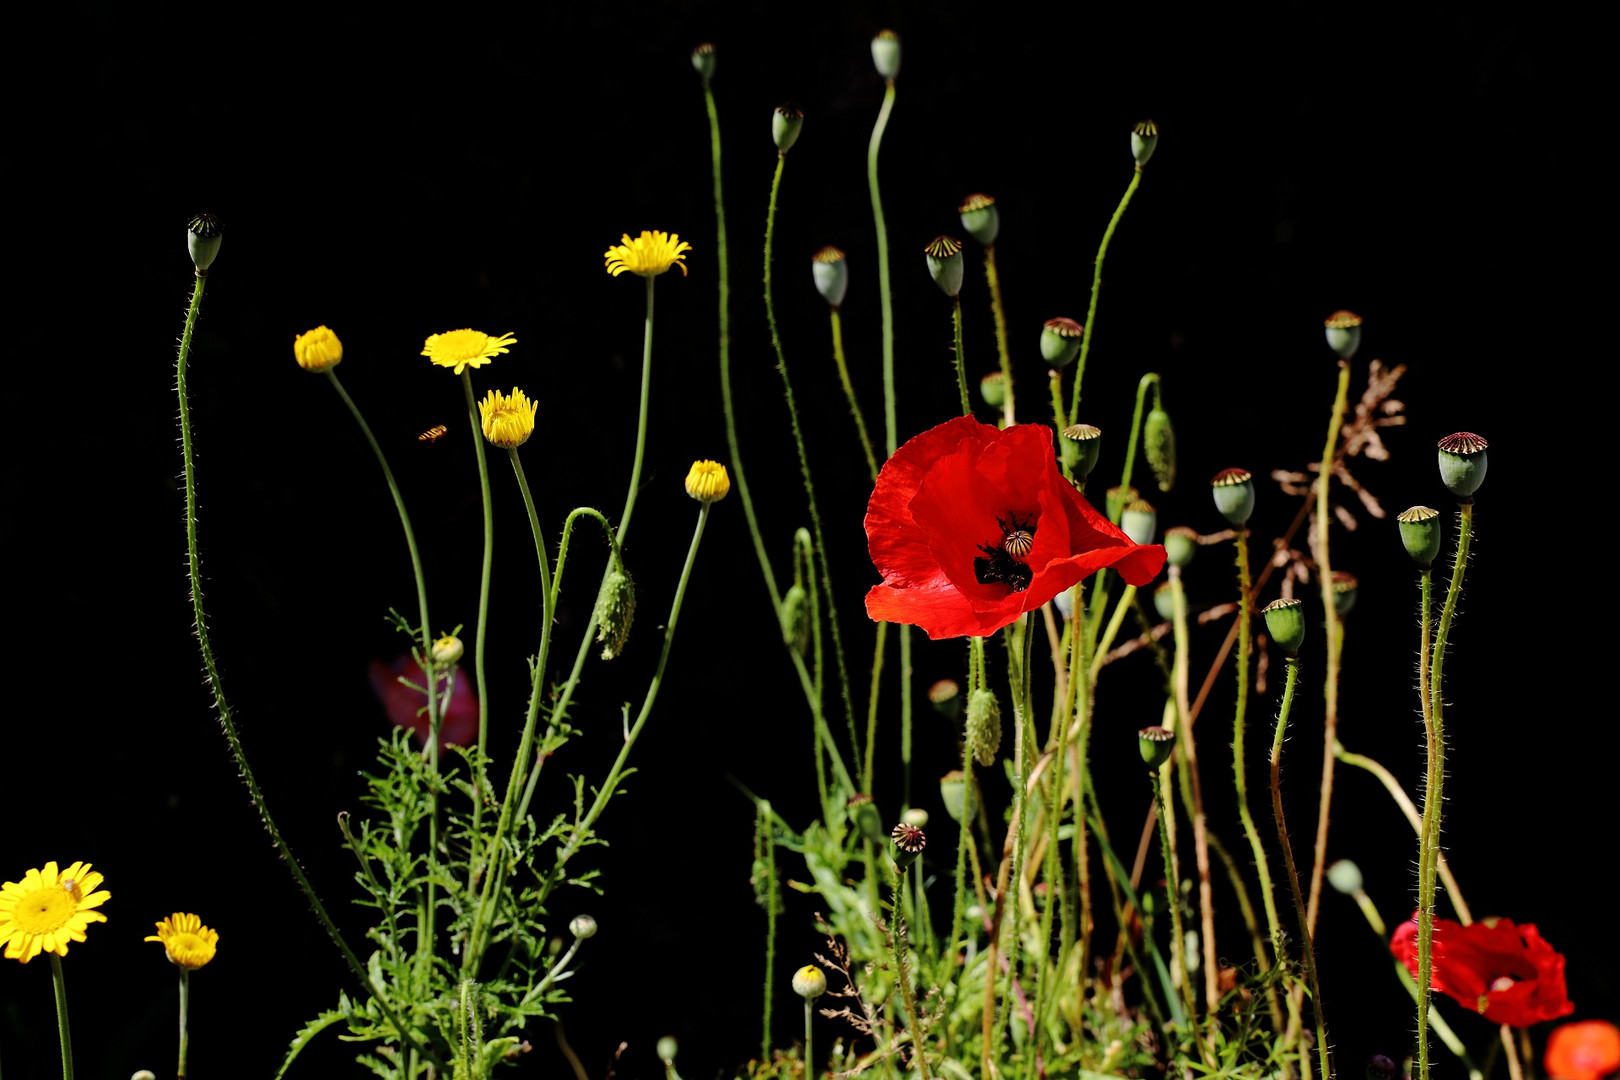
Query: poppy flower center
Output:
(1002,563)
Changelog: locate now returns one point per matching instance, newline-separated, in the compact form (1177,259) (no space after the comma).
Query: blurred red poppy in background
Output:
(1506,973)
(408,708)
(972,526)
(1588,1050)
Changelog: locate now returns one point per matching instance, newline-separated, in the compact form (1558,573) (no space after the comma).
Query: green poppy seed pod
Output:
(952,791)
(1156,744)
(1164,601)
(983,730)
(703,64)
(1234,495)
(667,1048)
(1144,137)
(785,124)
(1180,545)
(203,236)
(1140,521)
(1087,442)
(945,264)
(886,53)
(831,272)
(1060,341)
(908,842)
(1159,444)
(796,618)
(980,217)
(1462,464)
(582,927)
(1344,591)
(916,816)
(447,650)
(615,611)
(1285,622)
(1345,876)
(1117,499)
(1343,333)
(946,698)
(1420,534)
(809,982)
(1380,1067)
(864,813)
(993,388)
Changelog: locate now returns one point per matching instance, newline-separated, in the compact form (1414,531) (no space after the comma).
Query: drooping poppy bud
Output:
(908,843)
(615,610)
(983,730)
(1345,876)
(1159,444)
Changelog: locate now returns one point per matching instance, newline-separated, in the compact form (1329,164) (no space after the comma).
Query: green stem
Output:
(886,300)
(897,948)
(961,369)
(475,859)
(768,835)
(1096,290)
(1240,750)
(1160,779)
(1000,313)
(63,1034)
(809,1053)
(849,391)
(867,763)
(185,1005)
(1309,948)
(1193,792)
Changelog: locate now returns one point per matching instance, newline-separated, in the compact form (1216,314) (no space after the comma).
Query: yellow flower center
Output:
(459,346)
(708,482)
(188,950)
(45,911)
(508,421)
(650,254)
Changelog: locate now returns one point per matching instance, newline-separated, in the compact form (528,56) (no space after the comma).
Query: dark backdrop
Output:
(392,177)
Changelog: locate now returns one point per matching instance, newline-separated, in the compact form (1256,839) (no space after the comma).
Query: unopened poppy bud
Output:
(1140,521)
(1344,591)
(1420,533)
(707,481)
(1380,1067)
(908,843)
(582,927)
(447,650)
(1159,444)
(1156,744)
(993,389)
(615,610)
(983,729)
(667,1048)
(1285,622)
(1144,137)
(864,813)
(980,217)
(1343,333)
(831,272)
(1345,876)
(318,350)
(886,53)
(1060,341)
(796,618)
(946,698)
(916,816)
(1117,499)
(1087,442)
(1180,545)
(1164,601)
(809,982)
(952,792)
(1462,463)
(1234,495)
(202,239)
(703,64)
(945,264)
(785,124)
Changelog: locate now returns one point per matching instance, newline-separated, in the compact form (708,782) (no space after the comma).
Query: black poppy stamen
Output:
(1002,563)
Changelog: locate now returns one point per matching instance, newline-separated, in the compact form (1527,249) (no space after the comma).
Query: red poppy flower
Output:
(1589,1050)
(972,526)
(408,708)
(1506,973)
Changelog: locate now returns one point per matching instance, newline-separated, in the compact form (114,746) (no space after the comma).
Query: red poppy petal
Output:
(899,549)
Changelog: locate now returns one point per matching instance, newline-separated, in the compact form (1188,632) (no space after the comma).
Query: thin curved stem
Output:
(897,951)
(63,1034)
(185,1009)
(1000,312)
(956,349)
(849,391)
(767,833)
(1193,790)
(474,859)
(1096,290)
(885,298)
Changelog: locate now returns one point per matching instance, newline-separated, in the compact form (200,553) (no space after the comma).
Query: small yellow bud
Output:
(317,351)
(809,982)
(708,482)
(508,421)
(447,650)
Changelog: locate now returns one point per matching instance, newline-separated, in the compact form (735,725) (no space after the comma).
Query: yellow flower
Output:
(708,482)
(650,254)
(508,421)
(188,942)
(462,349)
(46,910)
(317,350)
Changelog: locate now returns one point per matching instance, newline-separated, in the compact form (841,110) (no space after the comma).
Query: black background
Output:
(397,176)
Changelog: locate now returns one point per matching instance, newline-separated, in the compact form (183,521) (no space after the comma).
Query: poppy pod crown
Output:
(972,526)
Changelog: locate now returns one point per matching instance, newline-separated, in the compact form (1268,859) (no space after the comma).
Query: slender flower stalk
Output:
(1159,780)
(767,835)
(885,297)
(1000,312)
(849,391)
(1193,791)
(185,1003)
(1239,749)
(961,369)
(897,951)
(475,861)
(1096,290)
(63,1034)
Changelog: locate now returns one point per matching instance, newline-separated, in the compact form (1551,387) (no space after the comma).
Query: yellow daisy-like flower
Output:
(508,421)
(708,481)
(188,942)
(317,350)
(46,910)
(462,349)
(650,254)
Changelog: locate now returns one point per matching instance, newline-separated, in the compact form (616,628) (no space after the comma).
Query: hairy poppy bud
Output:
(945,264)
(1156,744)
(831,272)
(1420,534)
(796,618)
(1087,441)
(1060,341)
(615,610)
(203,237)
(1144,138)
(1164,601)
(952,792)
(1159,444)
(1180,545)
(785,124)
(1140,521)
(993,389)
(1345,876)
(983,732)
(864,813)
(886,53)
(946,698)
(1462,463)
(1285,621)
(809,982)
(582,927)
(1343,333)
(1234,495)
(1344,591)
(980,218)
(703,64)
(909,842)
